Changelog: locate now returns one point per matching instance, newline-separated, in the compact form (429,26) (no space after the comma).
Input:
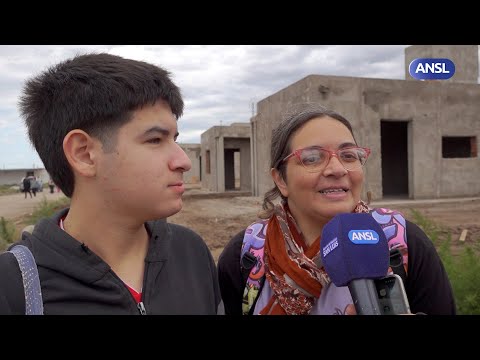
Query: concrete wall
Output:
(193,151)
(216,140)
(432,108)
(14,176)
(465,58)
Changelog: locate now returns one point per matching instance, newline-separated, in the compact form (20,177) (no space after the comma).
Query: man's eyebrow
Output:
(158,129)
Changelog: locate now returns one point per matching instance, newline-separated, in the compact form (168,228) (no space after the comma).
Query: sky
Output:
(221,84)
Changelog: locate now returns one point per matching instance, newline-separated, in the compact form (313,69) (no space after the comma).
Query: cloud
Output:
(219,83)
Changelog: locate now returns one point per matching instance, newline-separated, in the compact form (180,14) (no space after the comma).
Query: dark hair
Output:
(293,120)
(96,93)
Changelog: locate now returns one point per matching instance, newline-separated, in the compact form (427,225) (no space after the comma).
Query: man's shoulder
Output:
(7,261)
(180,240)
(162,228)
(42,228)
(182,230)
(11,286)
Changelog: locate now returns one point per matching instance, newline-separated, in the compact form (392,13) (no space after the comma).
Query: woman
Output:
(317,168)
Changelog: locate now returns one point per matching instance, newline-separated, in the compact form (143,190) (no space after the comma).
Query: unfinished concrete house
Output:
(423,134)
(192,176)
(225,158)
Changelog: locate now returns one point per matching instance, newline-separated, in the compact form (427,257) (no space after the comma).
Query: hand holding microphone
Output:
(354,252)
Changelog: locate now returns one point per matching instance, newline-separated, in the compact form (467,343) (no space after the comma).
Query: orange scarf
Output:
(290,266)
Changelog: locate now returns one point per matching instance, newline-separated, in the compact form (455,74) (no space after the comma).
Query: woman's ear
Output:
(279,181)
(80,150)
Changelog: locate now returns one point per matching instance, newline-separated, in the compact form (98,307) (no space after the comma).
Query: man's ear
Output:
(279,181)
(80,150)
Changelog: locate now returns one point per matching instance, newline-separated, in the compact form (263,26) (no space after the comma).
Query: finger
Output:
(350,310)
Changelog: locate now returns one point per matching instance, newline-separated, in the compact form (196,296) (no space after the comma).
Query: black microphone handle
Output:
(364,295)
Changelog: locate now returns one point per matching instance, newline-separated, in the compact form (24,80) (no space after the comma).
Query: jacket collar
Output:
(55,249)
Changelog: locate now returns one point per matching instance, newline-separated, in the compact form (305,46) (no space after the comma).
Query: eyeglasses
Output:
(316,158)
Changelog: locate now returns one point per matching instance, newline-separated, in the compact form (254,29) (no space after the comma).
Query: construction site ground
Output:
(219,216)
(218,219)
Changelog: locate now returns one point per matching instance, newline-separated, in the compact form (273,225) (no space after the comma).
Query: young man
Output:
(105,128)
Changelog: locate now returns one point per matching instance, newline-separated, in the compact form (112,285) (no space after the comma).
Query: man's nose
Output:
(180,160)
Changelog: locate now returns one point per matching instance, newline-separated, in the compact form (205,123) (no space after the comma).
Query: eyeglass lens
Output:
(317,158)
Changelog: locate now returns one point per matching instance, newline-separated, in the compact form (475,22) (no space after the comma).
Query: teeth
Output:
(328,191)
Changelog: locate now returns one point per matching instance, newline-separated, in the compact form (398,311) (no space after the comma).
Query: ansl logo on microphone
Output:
(363,236)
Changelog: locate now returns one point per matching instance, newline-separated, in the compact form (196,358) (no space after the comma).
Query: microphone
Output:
(354,252)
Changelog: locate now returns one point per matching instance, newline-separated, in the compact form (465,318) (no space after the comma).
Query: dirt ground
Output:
(218,217)
(15,205)
(217,220)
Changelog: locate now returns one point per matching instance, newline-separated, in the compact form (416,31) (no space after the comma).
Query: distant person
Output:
(51,185)
(39,185)
(27,186)
(318,172)
(105,128)
(33,185)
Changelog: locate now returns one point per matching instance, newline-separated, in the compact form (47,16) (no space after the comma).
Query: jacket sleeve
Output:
(428,288)
(12,298)
(230,276)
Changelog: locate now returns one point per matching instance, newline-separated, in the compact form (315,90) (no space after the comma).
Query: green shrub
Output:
(7,233)
(464,274)
(463,269)
(47,208)
(8,190)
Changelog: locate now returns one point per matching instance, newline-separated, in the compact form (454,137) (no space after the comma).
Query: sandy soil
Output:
(15,205)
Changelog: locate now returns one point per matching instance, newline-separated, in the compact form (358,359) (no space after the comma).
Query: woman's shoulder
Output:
(418,241)
(231,251)
(233,248)
(416,232)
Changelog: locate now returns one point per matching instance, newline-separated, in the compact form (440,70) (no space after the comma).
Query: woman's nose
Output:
(334,166)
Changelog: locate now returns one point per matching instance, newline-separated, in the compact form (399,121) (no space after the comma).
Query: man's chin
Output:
(174,209)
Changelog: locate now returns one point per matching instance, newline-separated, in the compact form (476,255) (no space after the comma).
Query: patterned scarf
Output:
(291,271)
